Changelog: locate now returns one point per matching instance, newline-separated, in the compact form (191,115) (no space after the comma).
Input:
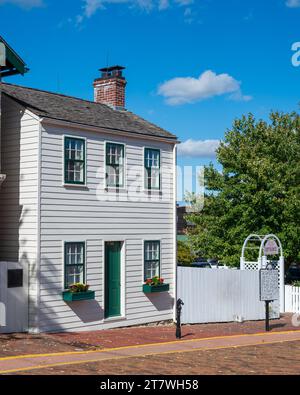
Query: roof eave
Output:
(15,63)
(53,121)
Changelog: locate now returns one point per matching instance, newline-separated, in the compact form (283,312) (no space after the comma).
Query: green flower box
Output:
(148,289)
(74,296)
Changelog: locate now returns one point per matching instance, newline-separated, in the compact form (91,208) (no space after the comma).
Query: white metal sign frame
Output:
(258,243)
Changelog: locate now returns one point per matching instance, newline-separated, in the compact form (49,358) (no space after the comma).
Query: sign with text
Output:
(271,248)
(269,288)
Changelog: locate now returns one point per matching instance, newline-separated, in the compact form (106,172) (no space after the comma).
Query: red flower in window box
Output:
(155,281)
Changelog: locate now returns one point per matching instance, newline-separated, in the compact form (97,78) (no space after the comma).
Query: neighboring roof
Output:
(182,223)
(14,64)
(83,112)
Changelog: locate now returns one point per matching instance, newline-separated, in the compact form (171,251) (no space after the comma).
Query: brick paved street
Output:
(276,358)
(282,358)
(17,344)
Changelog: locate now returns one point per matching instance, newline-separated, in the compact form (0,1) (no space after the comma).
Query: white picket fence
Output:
(221,296)
(292,299)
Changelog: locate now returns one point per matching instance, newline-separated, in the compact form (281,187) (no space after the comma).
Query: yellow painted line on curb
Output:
(145,345)
(143,355)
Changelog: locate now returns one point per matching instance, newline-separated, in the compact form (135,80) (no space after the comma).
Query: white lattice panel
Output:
(251,266)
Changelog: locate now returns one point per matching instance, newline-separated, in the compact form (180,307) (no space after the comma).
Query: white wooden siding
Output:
(75,214)
(19,193)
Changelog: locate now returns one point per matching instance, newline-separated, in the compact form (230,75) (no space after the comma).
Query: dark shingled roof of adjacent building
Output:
(83,112)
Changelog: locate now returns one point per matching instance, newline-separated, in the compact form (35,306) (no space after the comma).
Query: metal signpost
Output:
(269,290)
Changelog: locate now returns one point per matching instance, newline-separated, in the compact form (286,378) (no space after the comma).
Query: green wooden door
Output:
(112,279)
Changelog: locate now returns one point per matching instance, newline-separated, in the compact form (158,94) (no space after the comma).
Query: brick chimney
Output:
(110,87)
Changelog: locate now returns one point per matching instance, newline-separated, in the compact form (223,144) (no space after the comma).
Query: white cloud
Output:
(198,148)
(163,4)
(184,2)
(90,7)
(183,90)
(24,3)
(293,3)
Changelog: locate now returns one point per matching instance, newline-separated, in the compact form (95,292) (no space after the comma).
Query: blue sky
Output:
(192,66)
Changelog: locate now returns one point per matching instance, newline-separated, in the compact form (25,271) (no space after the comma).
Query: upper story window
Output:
(115,155)
(74,161)
(152,168)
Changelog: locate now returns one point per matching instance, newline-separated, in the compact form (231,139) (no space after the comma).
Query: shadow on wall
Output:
(161,301)
(12,214)
(55,314)
(88,311)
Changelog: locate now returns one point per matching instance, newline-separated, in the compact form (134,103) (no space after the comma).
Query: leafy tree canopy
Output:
(257,191)
(185,256)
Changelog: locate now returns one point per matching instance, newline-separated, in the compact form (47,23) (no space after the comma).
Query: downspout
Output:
(175,226)
(2,63)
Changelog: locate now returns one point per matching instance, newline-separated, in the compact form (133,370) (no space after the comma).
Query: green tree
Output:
(184,254)
(257,190)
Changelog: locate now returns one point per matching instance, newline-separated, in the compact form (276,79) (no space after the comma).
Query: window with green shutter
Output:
(74,263)
(151,259)
(115,158)
(152,168)
(74,160)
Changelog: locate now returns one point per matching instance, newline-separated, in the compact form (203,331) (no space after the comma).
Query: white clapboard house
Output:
(89,197)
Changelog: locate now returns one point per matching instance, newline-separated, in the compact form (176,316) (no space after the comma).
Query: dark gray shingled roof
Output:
(84,112)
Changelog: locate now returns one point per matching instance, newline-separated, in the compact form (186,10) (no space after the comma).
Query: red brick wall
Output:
(110,91)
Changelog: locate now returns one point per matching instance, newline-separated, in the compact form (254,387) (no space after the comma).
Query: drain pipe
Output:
(2,63)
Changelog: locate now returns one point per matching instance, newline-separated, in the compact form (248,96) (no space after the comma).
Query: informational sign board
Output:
(2,55)
(269,288)
(271,248)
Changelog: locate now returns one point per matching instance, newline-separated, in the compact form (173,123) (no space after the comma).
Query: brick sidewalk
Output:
(33,362)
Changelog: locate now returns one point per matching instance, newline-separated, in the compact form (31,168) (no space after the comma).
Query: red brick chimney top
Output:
(109,89)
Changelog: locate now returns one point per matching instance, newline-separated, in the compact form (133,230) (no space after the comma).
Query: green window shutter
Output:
(74,161)
(152,264)
(152,164)
(74,263)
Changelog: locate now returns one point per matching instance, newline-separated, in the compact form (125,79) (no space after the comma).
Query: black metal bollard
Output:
(179,305)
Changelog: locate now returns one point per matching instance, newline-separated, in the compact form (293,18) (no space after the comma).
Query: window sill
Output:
(116,189)
(80,186)
(112,319)
(153,191)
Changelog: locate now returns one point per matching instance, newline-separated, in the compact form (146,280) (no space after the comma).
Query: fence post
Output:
(281,284)
(288,299)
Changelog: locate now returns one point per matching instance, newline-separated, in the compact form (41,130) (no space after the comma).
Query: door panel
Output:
(112,279)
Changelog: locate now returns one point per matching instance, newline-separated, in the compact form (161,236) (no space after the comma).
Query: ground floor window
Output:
(151,259)
(74,263)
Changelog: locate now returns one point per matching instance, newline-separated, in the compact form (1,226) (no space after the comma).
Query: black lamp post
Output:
(179,305)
